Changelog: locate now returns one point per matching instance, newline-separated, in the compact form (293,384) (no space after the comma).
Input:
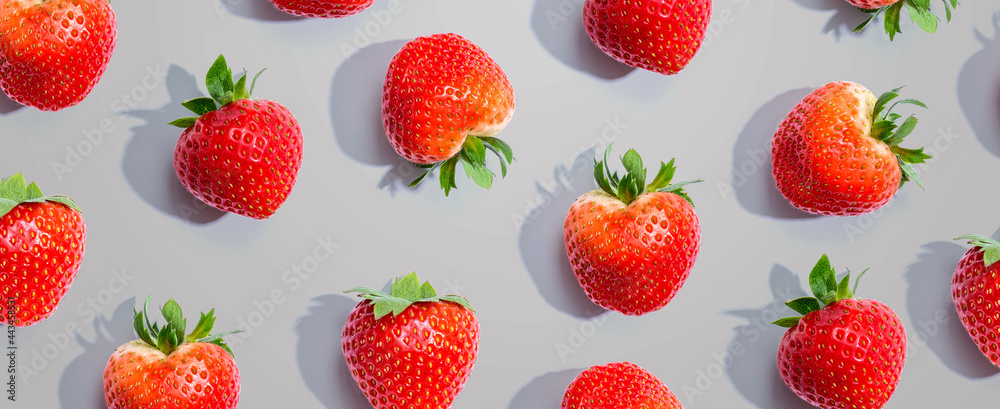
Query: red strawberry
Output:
(443,101)
(656,35)
(322,8)
(53,52)
(242,155)
(919,11)
(975,289)
(620,385)
(412,348)
(41,246)
(165,369)
(843,352)
(837,153)
(632,245)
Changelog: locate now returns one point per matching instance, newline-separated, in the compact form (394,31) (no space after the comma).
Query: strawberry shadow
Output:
(261,10)
(319,355)
(558,26)
(753,369)
(541,242)
(750,177)
(81,385)
(8,105)
(979,89)
(356,110)
(148,162)
(845,16)
(544,392)
(934,321)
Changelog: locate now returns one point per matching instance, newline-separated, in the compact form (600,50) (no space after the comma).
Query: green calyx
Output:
(884,129)
(222,89)
(826,290)
(171,336)
(405,292)
(919,11)
(989,247)
(14,191)
(473,159)
(633,184)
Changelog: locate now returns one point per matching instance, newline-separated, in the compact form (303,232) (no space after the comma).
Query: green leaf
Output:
(676,187)
(474,150)
(447,174)
(6,205)
(140,329)
(921,15)
(458,300)
(891,19)
(823,280)
(407,287)
(882,130)
(787,322)
(909,173)
(214,337)
(500,145)
(663,177)
(500,157)
(904,130)
(33,192)
(200,106)
(254,82)
(908,101)
(223,345)
(394,306)
(421,178)
(612,177)
(602,180)
(14,188)
(628,190)
(910,155)
(183,122)
(633,165)
(203,328)
(219,81)
(479,174)
(804,305)
(989,247)
(240,89)
(427,291)
(867,21)
(64,200)
(844,288)
(858,281)
(879,111)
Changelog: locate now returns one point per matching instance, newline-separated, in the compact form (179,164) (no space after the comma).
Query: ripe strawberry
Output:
(443,101)
(41,246)
(242,155)
(919,11)
(322,8)
(843,352)
(53,52)
(632,246)
(656,35)
(616,386)
(165,369)
(412,348)
(837,153)
(975,289)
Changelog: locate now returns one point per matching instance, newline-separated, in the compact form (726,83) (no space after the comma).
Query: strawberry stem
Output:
(167,339)
(989,247)
(629,187)
(473,159)
(919,11)
(405,291)
(14,191)
(222,91)
(825,288)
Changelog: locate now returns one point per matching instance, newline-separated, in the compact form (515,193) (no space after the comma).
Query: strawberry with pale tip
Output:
(892,10)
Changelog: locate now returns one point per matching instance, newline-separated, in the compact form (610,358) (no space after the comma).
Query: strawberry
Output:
(165,369)
(322,8)
(239,155)
(975,289)
(443,101)
(632,246)
(411,348)
(619,385)
(656,35)
(53,52)
(842,352)
(837,153)
(919,11)
(41,246)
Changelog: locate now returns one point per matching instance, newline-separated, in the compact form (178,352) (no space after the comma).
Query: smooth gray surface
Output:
(350,221)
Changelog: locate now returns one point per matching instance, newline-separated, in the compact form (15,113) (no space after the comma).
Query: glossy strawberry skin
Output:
(871,4)
(322,8)
(656,35)
(824,160)
(195,376)
(439,89)
(420,358)
(41,248)
(53,53)
(632,259)
(975,290)
(848,354)
(616,386)
(243,158)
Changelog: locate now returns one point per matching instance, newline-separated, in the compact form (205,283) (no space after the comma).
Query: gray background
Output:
(502,248)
